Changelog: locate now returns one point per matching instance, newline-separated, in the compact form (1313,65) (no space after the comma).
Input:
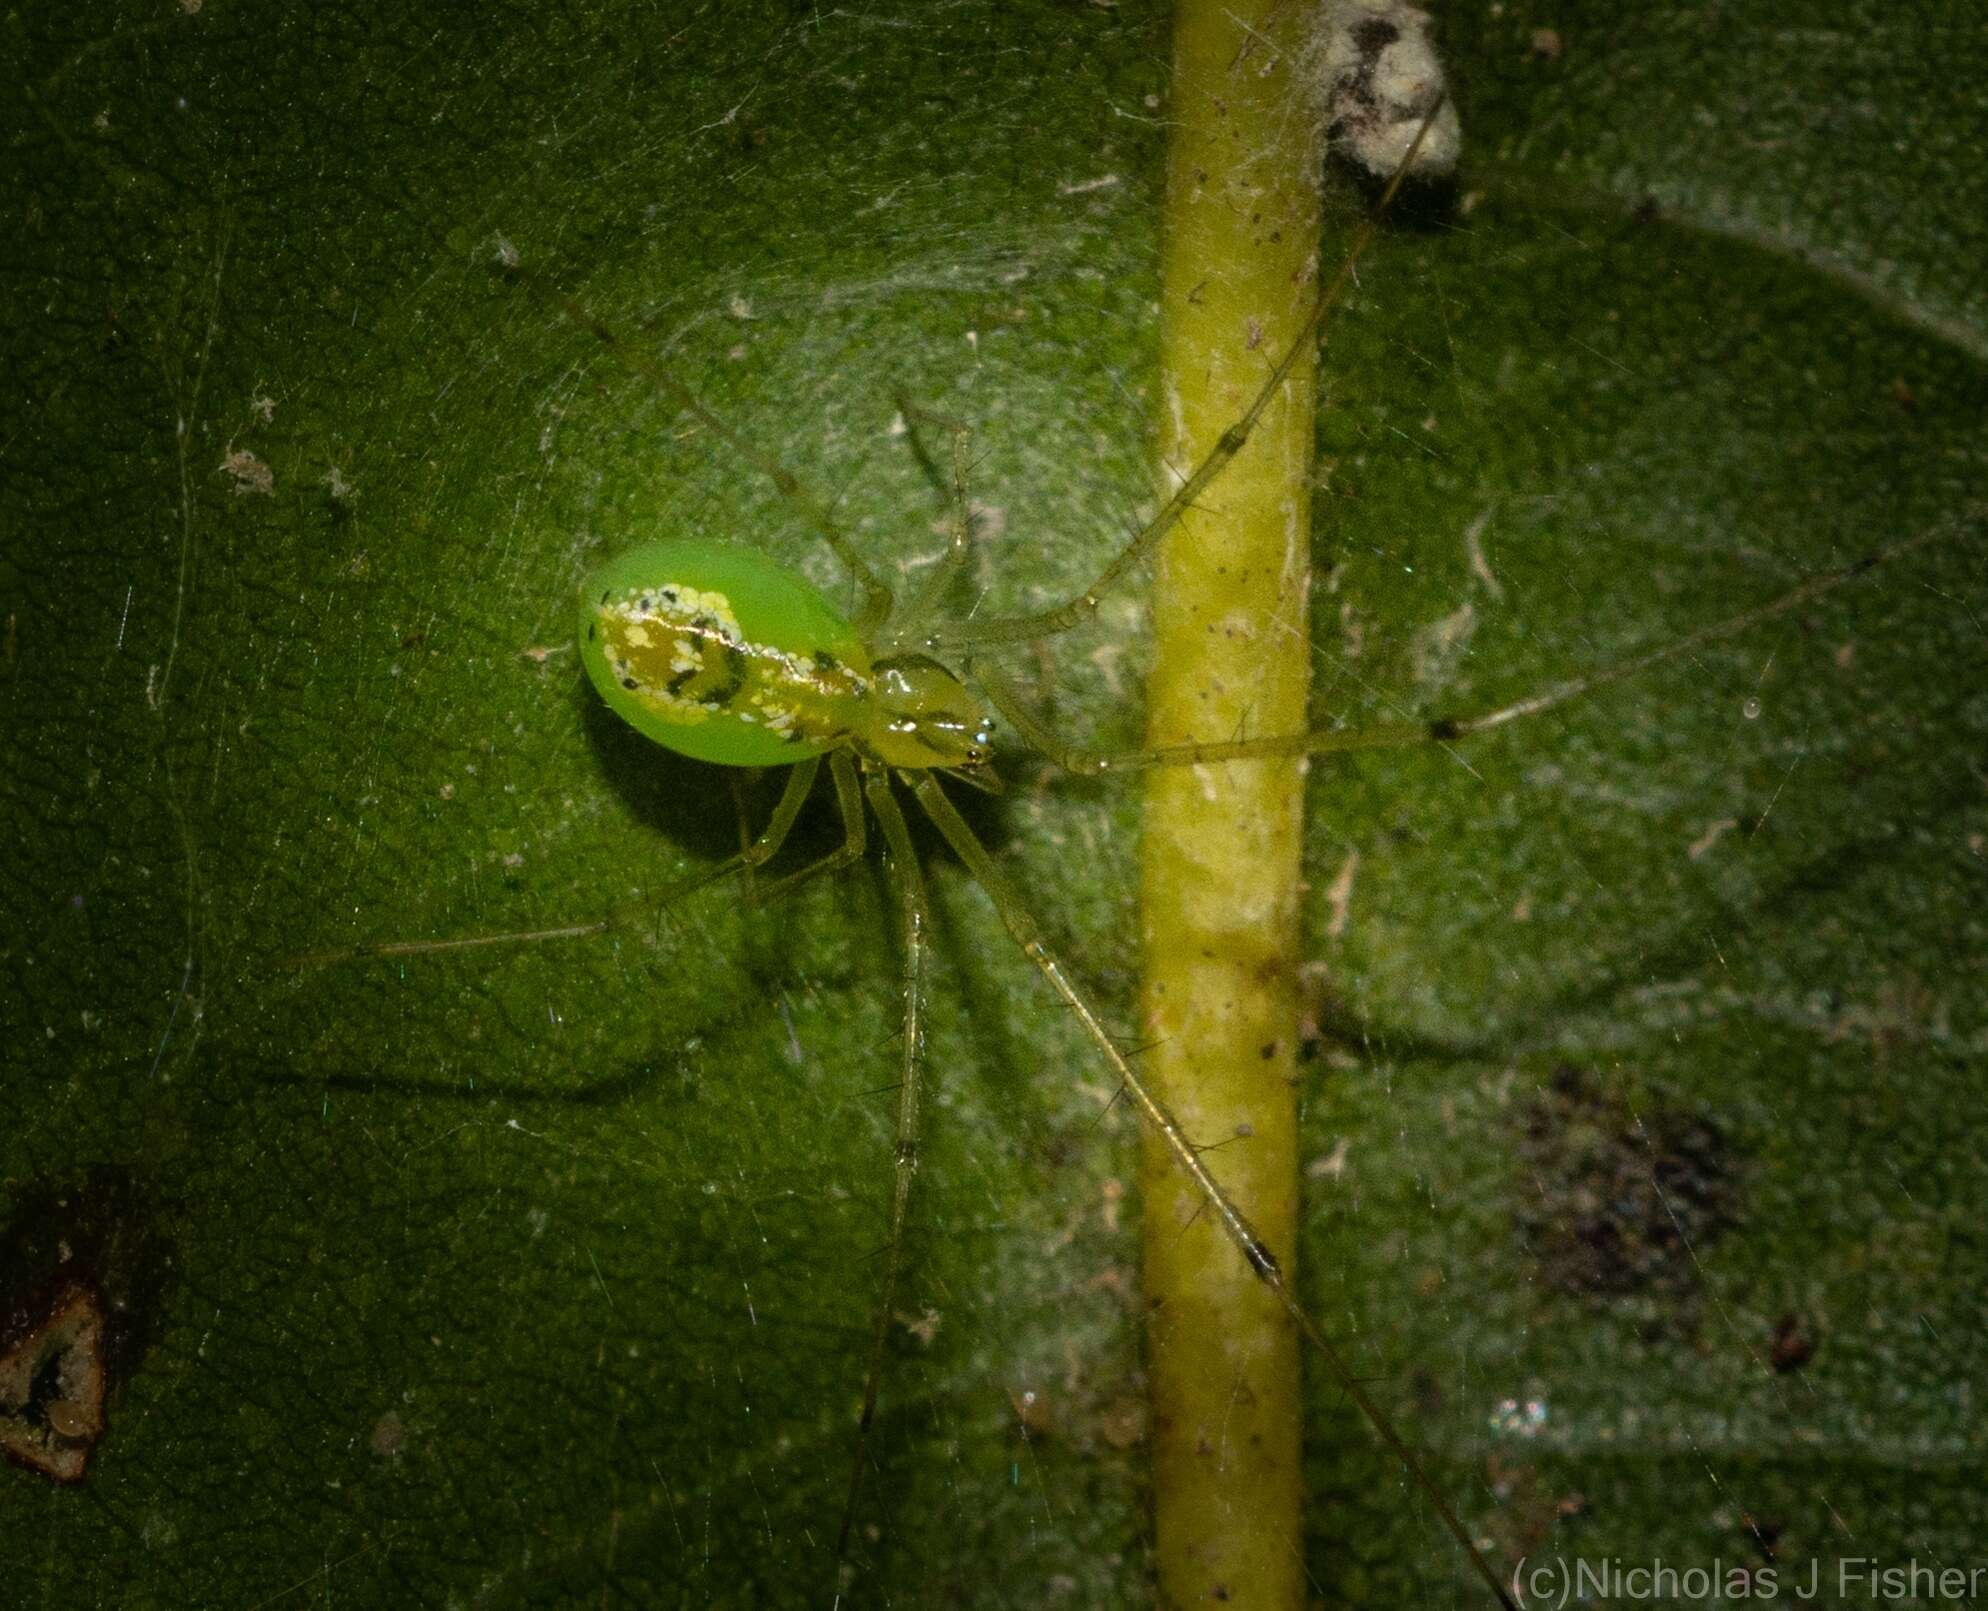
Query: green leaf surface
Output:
(1647,1142)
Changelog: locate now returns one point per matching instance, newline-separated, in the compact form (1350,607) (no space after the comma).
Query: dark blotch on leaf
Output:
(1621,1198)
(83,1275)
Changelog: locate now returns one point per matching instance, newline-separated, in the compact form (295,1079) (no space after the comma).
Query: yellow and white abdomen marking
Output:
(680,652)
(717,653)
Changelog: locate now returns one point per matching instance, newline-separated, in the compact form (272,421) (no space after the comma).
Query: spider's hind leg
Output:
(908,883)
(849,802)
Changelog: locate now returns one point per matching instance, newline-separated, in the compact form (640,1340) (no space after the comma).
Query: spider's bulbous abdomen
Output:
(720,654)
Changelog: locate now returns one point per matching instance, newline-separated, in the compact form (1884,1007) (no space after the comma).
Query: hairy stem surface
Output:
(1220,856)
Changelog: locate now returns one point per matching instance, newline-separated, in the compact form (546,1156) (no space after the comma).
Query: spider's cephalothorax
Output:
(922,716)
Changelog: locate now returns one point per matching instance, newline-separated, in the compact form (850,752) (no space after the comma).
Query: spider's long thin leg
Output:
(762,850)
(1442,729)
(463,942)
(876,606)
(1028,935)
(1046,623)
(849,802)
(910,886)
(924,605)
(735,779)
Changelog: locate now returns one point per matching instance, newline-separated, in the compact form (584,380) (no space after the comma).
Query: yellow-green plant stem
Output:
(1220,856)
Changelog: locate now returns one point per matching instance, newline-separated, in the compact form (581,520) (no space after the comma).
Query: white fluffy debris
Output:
(1378,77)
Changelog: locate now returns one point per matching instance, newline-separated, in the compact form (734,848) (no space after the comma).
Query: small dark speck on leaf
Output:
(389,1435)
(1764,1535)
(1794,1344)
